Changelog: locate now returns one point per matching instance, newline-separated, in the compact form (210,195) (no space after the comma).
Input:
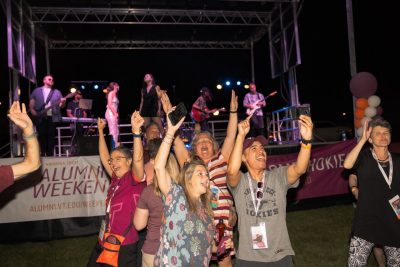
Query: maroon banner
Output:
(325,175)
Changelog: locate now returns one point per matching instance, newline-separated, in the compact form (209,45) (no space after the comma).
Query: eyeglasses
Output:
(260,193)
(117,159)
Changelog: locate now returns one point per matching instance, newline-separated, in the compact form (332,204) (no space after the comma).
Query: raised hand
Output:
(166,103)
(234,102)
(173,128)
(306,127)
(101,124)
(366,130)
(20,117)
(136,121)
(244,126)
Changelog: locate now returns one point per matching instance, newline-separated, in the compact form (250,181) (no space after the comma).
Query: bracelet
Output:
(306,142)
(233,111)
(169,136)
(167,141)
(306,146)
(27,137)
(139,135)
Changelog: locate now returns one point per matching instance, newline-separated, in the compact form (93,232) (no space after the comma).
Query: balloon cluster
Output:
(363,86)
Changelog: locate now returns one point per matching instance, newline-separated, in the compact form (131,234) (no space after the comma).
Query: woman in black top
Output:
(150,106)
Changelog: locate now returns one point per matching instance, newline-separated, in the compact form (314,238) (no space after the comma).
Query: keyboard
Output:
(80,120)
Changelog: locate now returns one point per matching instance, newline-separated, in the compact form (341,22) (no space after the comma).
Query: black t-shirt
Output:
(375,220)
(74,107)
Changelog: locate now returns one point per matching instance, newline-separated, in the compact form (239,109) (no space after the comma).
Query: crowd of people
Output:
(165,202)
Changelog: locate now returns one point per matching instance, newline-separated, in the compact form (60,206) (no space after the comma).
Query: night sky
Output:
(323,77)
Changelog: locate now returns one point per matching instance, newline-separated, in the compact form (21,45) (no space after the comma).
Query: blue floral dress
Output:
(186,237)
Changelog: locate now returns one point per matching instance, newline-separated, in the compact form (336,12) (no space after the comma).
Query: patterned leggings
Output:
(360,249)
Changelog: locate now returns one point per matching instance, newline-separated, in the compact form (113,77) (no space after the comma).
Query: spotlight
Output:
(83,87)
(246,86)
(19,91)
(72,89)
(96,86)
(216,113)
(238,83)
(219,86)
(105,90)
(228,83)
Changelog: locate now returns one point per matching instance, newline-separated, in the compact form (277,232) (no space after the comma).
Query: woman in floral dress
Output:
(187,234)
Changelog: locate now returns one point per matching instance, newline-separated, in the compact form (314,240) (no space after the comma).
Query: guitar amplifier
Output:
(89,145)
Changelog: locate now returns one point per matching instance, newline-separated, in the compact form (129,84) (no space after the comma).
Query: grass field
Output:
(319,237)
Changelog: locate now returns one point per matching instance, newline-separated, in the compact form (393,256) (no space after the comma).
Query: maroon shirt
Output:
(6,177)
(124,195)
(153,203)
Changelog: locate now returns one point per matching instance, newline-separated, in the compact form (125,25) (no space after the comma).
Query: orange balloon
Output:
(362,103)
(359,114)
(357,123)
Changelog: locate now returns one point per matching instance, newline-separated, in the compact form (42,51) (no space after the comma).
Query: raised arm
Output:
(298,168)
(163,178)
(31,161)
(103,150)
(235,159)
(138,163)
(229,141)
(353,154)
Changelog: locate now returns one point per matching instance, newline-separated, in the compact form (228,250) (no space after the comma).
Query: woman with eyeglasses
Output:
(122,196)
(187,236)
(260,197)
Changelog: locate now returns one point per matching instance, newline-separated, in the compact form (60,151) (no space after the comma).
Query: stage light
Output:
(246,86)
(216,113)
(344,114)
(228,83)
(105,90)
(83,87)
(238,83)
(19,91)
(219,86)
(72,89)
(96,86)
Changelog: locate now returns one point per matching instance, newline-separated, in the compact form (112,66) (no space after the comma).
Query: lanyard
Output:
(387,179)
(253,198)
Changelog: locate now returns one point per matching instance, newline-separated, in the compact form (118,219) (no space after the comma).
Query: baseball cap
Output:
(249,141)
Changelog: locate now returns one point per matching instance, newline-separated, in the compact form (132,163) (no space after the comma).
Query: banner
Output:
(62,188)
(325,175)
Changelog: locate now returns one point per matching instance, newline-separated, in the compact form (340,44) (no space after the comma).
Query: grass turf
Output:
(319,237)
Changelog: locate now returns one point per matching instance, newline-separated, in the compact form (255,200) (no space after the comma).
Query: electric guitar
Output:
(250,111)
(41,113)
(201,115)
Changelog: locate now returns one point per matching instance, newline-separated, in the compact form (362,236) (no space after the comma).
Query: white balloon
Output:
(370,112)
(374,101)
(360,131)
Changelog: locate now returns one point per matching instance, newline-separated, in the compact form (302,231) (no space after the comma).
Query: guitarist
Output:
(200,106)
(45,106)
(252,101)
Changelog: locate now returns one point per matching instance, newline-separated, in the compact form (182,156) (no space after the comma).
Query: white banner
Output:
(62,188)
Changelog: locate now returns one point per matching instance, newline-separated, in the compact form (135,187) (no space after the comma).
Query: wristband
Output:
(137,135)
(27,137)
(306,146)
(233,111)
(306,142)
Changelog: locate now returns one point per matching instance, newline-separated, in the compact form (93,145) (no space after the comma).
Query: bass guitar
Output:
(255,106)
(201,115)
(41,113)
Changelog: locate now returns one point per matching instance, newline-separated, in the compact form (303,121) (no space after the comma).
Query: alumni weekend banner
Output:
(62,188)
